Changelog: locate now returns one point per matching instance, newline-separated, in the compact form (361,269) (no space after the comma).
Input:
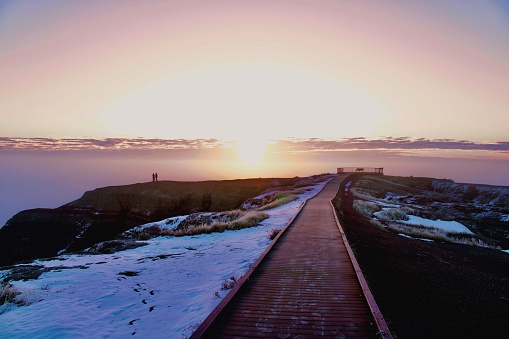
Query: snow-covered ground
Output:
(448,226)
(445,225)
(163,289)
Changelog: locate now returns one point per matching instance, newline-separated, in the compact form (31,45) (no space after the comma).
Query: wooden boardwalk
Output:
(306,286)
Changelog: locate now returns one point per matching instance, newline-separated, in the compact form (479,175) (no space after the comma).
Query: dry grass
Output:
(360,193)
(279,200)
(394,214)
(168,198)
(232,220)
(8,293)
(366,208)
(244,219)
(272,234)
(431,233)
(305,183)
(228,284)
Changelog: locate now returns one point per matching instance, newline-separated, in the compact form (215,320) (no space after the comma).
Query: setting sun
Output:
(250,150)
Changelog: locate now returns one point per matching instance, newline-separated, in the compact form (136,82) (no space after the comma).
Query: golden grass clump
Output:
(279,200)
(244,219)
(432,233)
(366,208)
(394,214)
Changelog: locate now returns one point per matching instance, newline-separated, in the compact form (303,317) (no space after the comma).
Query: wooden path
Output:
(305,286)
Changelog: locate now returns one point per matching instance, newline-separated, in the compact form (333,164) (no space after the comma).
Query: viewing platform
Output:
(375,170)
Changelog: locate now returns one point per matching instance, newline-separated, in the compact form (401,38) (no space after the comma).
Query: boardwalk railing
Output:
(375,170)
(375,311)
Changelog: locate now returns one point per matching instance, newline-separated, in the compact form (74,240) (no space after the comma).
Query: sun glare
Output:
(250,151)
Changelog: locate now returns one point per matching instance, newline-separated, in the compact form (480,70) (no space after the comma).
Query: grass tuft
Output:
(237,220)
(394,214)
(366,208)
(360,193)
(279,200)
(228,284)
(272,234)
(8,293)
(431,233)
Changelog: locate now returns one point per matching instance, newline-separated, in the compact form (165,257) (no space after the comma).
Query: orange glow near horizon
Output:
(251,150)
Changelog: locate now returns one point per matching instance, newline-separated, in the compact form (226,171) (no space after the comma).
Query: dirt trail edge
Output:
(304,285)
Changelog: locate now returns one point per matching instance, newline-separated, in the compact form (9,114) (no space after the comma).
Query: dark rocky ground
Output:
(430,289)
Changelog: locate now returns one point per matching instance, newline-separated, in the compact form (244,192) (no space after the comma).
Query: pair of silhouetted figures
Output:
(154,176)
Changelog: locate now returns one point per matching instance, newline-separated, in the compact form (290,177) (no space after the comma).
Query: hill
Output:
(104,213)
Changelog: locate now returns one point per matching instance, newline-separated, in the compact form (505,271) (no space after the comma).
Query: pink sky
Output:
(202,69)
(223,81)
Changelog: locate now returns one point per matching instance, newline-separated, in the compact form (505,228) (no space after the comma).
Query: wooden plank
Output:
(305,284)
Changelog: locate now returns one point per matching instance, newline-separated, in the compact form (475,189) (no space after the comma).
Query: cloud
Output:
(286,145)
(387,143)
(81,144)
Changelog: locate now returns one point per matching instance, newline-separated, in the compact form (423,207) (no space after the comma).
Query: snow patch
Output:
(407,236)
(448,226)
(347,186)
(166,224)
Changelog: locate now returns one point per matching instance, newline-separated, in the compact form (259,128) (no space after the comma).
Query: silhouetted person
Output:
(156,176)
(153,177)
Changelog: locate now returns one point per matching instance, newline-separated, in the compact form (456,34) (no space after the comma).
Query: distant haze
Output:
(31,179)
